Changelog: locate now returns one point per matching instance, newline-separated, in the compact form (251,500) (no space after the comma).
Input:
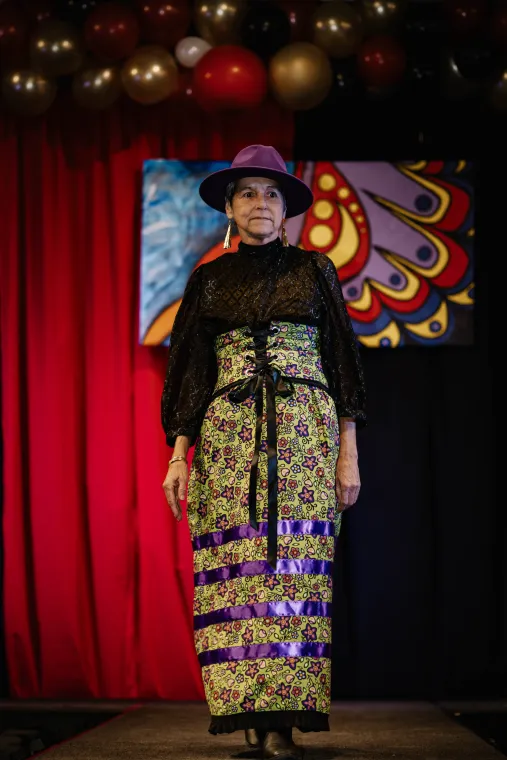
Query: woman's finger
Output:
(182,487)
(170,493)
(176,513)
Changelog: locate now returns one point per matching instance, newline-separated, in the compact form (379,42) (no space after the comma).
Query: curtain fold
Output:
(97,574)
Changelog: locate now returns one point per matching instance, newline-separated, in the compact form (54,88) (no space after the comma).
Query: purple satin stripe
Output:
(285,527)
(266,609)
(262,567)
(257,651)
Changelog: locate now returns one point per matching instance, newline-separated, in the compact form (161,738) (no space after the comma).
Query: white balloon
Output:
(190,50)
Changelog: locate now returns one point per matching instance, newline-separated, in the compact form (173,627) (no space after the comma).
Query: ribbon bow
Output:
(267,374)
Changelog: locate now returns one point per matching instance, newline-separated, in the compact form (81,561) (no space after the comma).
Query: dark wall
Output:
(420,596)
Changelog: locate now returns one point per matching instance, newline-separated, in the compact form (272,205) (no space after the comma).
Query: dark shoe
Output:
(253,737)
(279,745)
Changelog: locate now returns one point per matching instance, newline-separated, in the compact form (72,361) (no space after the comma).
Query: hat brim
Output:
(298,195)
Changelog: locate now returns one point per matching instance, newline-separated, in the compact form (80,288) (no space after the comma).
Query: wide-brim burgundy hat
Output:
(257,161)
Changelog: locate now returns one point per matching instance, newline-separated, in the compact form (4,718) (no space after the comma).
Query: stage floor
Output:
(359,731)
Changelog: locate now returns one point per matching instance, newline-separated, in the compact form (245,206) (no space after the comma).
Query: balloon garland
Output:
(232,54)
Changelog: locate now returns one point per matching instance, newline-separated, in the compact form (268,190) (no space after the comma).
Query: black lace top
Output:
(251,287)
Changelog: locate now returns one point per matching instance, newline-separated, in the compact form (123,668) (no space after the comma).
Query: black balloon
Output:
(476,61)
(345,79)
(346,86)
(422,76)
(265,28)
(497,93)
(424,34)
(453,84)
(376,93)
(424,26)
(74,11)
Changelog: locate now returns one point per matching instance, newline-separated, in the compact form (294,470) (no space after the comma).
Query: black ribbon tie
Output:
(267,375)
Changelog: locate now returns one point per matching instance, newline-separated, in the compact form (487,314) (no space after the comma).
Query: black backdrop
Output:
(420,595)
(420,599)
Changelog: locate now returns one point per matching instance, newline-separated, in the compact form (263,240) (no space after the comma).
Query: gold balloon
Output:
(382,16)
(97,87)
(337,29)
(300,76)
(218,21)
(56,48)
(150,75)
(27,92)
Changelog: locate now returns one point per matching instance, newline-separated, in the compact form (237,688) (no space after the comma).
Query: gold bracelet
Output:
(177,459)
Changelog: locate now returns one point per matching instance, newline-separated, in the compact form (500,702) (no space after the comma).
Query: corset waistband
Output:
(266,374)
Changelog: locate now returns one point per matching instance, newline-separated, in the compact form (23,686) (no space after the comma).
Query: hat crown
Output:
(257,161)
(263,156)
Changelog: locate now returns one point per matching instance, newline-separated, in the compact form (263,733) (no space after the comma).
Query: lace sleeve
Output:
(339,349)
(191,368)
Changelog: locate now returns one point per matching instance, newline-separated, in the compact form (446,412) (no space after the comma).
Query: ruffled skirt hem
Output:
(274,720)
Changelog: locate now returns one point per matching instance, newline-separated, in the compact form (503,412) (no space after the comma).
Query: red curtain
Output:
(97,573)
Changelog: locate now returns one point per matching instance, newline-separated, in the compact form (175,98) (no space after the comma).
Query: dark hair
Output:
(231,189)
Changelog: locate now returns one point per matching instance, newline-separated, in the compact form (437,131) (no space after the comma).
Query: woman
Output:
(264,327)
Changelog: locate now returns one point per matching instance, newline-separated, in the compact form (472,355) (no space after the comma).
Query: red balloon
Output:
(111,31)
(300,16)
(13,35)
(465,16)
(164,22)
(381,61)
(229,77)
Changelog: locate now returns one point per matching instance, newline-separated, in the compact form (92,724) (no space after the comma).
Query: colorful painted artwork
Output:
(400,235)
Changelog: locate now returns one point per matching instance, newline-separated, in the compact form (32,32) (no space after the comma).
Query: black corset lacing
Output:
(268,374)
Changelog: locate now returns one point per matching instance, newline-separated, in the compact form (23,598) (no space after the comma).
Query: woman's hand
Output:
(175,485)
(348,482)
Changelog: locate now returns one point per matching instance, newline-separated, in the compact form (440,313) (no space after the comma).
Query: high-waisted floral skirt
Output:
(263,518)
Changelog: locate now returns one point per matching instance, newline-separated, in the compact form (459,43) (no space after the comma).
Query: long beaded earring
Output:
(227,240)
(284,235)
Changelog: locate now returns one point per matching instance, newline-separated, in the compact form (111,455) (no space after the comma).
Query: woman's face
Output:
(258,209)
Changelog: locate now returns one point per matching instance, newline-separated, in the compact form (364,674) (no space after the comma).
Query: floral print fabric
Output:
(263,638)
